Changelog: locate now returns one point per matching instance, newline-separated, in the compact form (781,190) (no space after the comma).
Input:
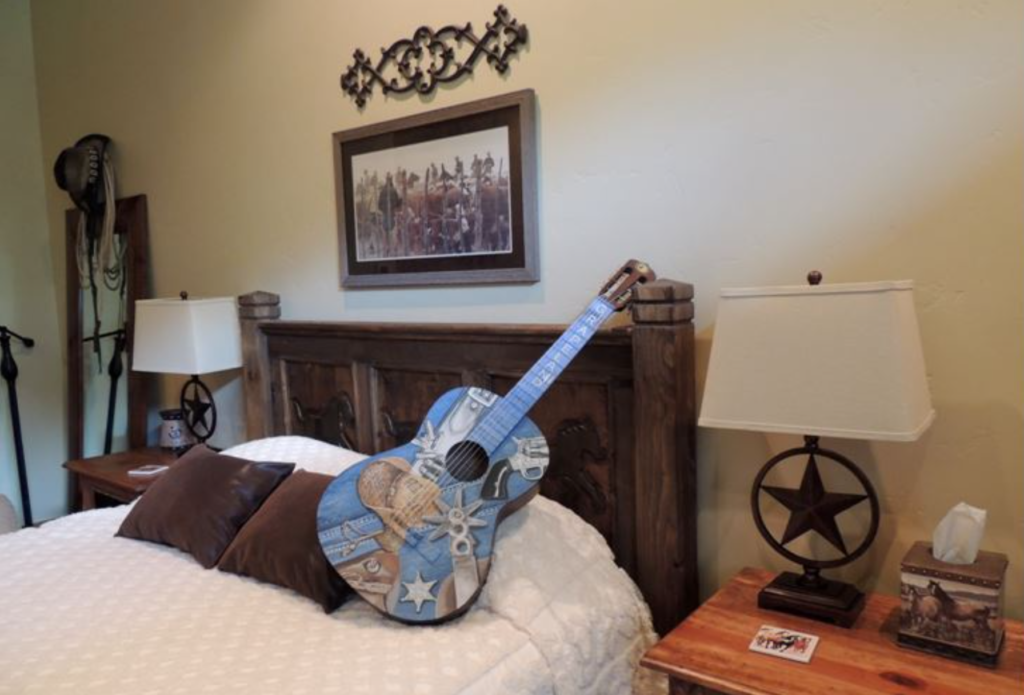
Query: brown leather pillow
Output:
(279,544)
(199,505)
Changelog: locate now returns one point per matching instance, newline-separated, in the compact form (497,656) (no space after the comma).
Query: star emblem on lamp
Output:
(842,361)
(197,404)
(812,508)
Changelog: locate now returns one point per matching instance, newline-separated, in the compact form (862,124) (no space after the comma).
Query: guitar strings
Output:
(464,459)
(462,462)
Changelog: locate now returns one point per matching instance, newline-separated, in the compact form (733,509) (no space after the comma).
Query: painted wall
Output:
(27,294)
(731,143)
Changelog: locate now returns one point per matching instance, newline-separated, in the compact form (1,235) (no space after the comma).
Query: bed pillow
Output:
(308,454)
(279,543)
(199,505)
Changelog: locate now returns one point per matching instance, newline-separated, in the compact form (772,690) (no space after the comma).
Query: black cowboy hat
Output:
(79,171)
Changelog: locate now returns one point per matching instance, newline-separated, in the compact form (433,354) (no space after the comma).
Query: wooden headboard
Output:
(619,421)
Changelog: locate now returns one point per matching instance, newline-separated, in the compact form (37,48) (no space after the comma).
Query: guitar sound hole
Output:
(466,461)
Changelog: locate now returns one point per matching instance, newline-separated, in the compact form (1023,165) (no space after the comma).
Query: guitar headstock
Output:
(618,289)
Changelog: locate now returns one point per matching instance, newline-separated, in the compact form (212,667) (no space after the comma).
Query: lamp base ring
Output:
(812,450)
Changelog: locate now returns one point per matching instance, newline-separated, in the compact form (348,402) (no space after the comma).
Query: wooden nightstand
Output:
(107,476)
(708,653)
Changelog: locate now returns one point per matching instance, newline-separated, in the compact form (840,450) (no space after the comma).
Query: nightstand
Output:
(103,478)
(707,653)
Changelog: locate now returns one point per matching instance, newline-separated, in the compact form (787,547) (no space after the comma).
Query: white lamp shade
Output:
(840,360)
(191,336)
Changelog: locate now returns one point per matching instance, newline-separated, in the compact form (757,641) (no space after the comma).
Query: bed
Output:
(583,577)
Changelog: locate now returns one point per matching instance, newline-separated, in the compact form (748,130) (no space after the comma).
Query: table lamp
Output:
(840,360)
(189,336)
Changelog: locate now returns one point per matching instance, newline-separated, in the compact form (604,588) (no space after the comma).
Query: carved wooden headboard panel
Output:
(619,421)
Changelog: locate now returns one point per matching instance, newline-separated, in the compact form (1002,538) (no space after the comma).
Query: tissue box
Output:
(952,610)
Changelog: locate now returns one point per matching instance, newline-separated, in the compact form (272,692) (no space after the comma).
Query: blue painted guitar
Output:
(412,529)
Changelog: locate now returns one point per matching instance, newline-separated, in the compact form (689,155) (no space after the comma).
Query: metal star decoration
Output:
(418,592)
(197,409)
(812,508)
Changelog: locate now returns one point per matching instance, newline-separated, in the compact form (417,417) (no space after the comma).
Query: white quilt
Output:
(84,612)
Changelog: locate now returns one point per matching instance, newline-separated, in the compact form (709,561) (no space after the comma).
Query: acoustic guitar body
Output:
(412,529)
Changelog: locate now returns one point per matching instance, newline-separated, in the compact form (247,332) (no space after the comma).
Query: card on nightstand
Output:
(147,471)
(785,644)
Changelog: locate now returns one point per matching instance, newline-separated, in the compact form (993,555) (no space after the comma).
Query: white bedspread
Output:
(84,612)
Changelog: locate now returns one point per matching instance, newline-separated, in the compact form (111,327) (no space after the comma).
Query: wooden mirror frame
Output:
(133,221)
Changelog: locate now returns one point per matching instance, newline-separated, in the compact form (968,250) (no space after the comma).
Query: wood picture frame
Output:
(447,197)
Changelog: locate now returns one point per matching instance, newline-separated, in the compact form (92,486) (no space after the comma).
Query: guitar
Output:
(412,529)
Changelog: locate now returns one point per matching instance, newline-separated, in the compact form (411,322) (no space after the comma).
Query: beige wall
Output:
(27,295)
(731,143)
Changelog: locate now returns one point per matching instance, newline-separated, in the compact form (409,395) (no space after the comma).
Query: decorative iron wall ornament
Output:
(429,58)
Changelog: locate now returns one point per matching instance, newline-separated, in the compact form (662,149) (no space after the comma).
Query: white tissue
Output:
(958,536)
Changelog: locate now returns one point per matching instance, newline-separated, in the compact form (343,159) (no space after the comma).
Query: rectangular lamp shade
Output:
(186,336)
(839,360)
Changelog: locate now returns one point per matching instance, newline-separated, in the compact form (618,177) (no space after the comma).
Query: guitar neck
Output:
(493,429)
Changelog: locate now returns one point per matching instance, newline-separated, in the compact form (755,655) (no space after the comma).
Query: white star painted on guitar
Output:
(418,592)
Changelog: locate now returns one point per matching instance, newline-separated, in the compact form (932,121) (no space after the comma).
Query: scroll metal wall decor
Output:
(428,58)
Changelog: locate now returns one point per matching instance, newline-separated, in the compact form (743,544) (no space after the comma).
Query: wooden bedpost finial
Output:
(663,301)
(259,305)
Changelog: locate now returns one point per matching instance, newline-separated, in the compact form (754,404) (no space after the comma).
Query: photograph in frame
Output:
(441,198)
(435,199)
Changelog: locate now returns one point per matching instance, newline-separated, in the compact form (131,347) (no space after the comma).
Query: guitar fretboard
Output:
(496,425)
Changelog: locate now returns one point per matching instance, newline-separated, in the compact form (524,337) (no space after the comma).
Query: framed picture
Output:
(441,198)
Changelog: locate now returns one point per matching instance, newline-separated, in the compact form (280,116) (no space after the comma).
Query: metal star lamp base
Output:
(812,508)
(812,596)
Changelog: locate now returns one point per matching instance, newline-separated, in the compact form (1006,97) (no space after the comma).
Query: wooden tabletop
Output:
(113,468)
(710,649)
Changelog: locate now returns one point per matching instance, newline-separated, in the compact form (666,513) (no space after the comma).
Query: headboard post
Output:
(665,454)
(253,308)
